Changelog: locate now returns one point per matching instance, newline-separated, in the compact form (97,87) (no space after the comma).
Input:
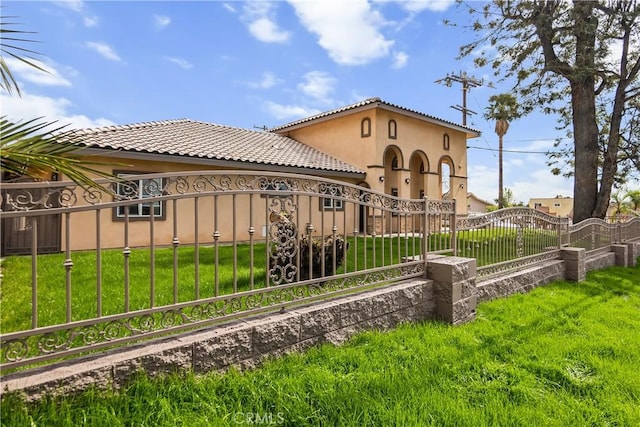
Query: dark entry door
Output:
(17,233)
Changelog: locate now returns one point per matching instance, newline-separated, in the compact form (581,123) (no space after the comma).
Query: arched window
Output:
(365,127)
(394,163)
(393,129)
(445,141)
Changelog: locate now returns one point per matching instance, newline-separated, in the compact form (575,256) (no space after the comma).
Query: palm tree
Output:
(502,108)
(634,197)
(35,148)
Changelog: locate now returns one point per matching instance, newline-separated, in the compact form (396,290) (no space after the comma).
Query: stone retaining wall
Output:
(242,344)
(449,293)
(521,281)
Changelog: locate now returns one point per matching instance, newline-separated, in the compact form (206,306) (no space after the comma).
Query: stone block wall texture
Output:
(633,253)
(600,261)
(454,288)
(521,281)
(575,263)
(621,253)
(243,344)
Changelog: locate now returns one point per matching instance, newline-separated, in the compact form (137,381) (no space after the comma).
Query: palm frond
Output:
(30,149)
(16,51)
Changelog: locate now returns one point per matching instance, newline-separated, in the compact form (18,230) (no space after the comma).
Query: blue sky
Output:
(258,63)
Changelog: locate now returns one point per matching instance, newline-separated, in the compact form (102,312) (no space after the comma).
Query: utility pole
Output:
(467,83)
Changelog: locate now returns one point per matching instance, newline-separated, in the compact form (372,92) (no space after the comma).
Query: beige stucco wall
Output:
(564,208)
(230,215)
(341,137)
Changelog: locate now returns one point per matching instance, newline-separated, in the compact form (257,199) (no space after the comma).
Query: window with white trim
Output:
(140,189)
(327,203)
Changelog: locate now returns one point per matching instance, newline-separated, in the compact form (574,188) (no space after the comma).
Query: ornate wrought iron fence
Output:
(170,252)
(509,238)
(211,246)
(595,234)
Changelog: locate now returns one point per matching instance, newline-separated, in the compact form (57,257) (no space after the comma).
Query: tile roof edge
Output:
(363,103)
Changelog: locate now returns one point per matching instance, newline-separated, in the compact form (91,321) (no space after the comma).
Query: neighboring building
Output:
(372,143)
(476,205)
(560,206)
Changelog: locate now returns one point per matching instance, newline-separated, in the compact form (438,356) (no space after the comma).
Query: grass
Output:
(15,295)
(564,355)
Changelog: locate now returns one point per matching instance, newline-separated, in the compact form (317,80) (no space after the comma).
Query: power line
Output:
(514,151)
(468,82)
(484,138)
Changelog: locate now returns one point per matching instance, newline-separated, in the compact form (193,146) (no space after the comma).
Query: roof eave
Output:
(470,133)
(227,164)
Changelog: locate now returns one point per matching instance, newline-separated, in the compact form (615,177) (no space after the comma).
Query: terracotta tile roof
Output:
(202,140)
(376,102)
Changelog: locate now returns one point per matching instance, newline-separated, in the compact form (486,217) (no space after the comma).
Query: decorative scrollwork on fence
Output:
(17,349)
(511,215)
(496,269)
(283,233)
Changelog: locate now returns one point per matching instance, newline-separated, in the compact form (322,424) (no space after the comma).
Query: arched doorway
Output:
(445,172)
(363,212)
(419,167)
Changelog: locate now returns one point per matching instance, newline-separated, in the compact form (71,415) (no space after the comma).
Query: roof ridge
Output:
(363,103)
(138,125)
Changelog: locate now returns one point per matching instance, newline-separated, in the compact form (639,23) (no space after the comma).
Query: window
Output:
(393,129)
(329,203)
(445,141)
(140,189)
(394,163)
(273,185)
(365,127)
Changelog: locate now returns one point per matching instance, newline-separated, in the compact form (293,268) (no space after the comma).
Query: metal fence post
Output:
(452,229)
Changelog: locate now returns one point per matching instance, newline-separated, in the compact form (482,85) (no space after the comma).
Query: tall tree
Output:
(503,108)
(587,51)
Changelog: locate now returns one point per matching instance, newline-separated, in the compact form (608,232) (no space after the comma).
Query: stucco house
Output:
(373,144)
(476,205)
(560,206)
(403,152)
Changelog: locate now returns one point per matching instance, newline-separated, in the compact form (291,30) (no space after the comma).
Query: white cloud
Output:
(79,7)
(350,37)
(541,183)
(90,21)
(105,50)
(161,21)
(261,22)
(75,5)
(281,112)
(229,7)
(182,63)
(527,175)
(23,71)
(483,181)
(421,5)
(31,106)
(268,81)
(400,60)
(318,85)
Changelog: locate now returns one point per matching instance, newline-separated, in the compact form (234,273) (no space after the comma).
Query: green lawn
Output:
(15,295)
(566,354)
